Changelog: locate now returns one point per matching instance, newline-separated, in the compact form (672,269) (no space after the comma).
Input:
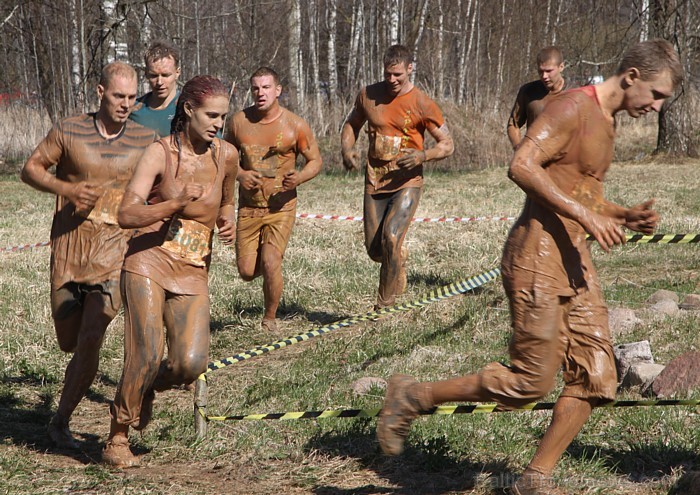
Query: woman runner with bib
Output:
(181,189)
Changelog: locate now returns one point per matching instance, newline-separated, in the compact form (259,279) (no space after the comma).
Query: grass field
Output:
(329,277)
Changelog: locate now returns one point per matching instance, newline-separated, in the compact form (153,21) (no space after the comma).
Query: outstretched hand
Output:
(606,230)
(641,218)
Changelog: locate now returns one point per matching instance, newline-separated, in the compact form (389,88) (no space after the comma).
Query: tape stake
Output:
(443,410)
(435,295)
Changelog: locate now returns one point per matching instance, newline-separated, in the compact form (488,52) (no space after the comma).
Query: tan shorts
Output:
(272,228)
(70,297)
(552,332)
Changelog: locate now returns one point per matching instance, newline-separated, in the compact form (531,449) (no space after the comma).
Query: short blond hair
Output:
(116,69)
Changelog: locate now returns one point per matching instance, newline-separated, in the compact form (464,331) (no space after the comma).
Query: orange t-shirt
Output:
(544,250)
(270,148)
(394,123)
(84,250)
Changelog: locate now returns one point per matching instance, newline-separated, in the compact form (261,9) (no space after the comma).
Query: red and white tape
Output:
(24,246)
(416,219)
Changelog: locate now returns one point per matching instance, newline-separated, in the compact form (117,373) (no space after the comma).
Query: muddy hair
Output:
(160,50)
(398,54)
(653,57)
(194,92)
(552,53)
(266,71)
(116,69)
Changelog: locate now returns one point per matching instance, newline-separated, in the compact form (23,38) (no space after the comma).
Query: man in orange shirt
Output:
(269,138)
(398,115)
(533,96)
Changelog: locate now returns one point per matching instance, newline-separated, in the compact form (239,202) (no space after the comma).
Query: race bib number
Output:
(386,148)
(106,208)
(188,239)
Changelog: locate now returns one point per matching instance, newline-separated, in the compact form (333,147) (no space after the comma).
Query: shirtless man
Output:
(156,108)
(269,138)
(533,96)
(558,314)
(94,155)
(398,114)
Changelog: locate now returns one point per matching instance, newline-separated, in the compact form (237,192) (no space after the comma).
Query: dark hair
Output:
(398,54)
(266,71)
(160,50)
(552,53)
(194,92)
(116,69)
(652,57)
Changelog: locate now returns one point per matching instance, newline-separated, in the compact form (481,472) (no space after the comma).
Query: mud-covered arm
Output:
(308,148)
(516,120)
(348,137)
(134,212)
(249,180)
(545,139)
(35,173)
(226,218)
(443,148)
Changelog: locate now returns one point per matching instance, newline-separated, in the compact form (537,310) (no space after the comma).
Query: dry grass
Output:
(21,128)
(328,276)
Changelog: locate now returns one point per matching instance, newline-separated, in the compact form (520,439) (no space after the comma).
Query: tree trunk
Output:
(393,19)
(295,57)
(440,51)
(331,16)
(76,43)
(313,52)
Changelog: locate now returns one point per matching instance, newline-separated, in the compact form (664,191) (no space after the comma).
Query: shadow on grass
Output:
(428,470)
(25,425)
(285,311)
(640,462)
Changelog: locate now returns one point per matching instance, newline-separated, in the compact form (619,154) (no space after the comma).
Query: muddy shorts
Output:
(71,296)
(272,228)
(552,332)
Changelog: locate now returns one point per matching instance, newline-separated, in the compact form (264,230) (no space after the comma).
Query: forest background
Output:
(471,56)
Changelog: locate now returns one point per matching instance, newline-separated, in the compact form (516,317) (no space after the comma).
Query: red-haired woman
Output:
(181,188)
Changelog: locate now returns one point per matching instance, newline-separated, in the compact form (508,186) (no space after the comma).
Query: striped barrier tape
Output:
(415,219)
(664,238)
(13,249)
(435,295)
(439,410)
(632,238)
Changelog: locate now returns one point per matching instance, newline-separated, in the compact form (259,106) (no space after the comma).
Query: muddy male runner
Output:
(559,318)
(398,115)
(533,96)
(156,108)
(94,155)
(269,139)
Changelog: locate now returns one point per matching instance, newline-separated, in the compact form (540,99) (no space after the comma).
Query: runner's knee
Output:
(187,368)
